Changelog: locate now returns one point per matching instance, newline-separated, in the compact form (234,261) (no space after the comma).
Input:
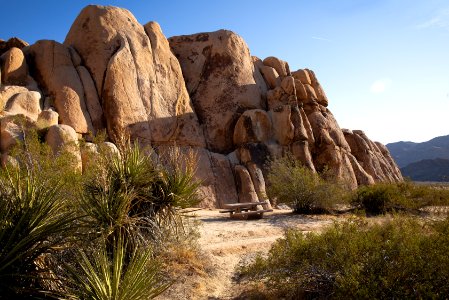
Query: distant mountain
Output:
(428,170)
(405,153)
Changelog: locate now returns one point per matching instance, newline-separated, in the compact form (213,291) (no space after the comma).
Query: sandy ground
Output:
(228,243)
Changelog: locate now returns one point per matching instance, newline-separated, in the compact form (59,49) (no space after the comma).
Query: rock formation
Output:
(203,92)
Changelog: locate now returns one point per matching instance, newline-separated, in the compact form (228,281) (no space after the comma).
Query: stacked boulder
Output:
(202,92)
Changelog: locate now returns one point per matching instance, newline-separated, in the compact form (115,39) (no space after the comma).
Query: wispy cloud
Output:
(321,39)
(440,20)
(380,85)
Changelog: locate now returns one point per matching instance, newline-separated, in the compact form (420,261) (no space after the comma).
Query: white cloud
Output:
(321,39)
(441,20)
(380,85)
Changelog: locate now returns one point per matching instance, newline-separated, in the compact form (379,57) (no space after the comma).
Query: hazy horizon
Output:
(383,65)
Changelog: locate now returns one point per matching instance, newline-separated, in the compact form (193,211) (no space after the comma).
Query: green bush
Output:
(403,196)
(400,259)
(294,184)
(118,211)
(115,276)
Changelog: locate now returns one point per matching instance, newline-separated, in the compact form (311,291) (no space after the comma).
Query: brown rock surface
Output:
(219,73)
(245,186)
(25,103)
(320,94)
(64,138)
(253,126)
(374,158)
(172,117)
(8,91)
(302,76)
(93,104)
(225,188)
(47,118)
(139,81)
(258,181)
(14,67)
(301,151)
(271,76)
(283,128)
(13,42)
(280,66)
(54,70)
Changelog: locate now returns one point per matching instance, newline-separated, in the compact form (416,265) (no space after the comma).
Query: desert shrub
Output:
(136,193)
(124,205)
(400,259)
(294,184)
(117,275)
(33,220)
(403,196)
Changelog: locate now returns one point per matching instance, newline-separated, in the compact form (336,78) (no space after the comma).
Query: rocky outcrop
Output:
(53,68)
(203,93)
(220,78)
(14,67)
(139,81)
(373,157)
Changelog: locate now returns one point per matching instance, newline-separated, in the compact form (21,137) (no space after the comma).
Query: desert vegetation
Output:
(304,190)
(96,235)
(400,255)
(402,258)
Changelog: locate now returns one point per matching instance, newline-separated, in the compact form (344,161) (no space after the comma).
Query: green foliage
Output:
(132,192)
(296,185)
(404,196)
(115,276)
(33,219)
(116,211)
(401,259)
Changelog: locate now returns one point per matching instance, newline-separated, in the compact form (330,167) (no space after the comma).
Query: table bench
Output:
(246,210)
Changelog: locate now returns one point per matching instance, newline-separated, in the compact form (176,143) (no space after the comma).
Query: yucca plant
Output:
(33,220)
(116,275)
(133,192)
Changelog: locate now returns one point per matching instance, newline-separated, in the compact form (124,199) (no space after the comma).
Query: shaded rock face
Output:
(221,79)
(373,157)
(202,92)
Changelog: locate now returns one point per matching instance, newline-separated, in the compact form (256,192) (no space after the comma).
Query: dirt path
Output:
(228,242)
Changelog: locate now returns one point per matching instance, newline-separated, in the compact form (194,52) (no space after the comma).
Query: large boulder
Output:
(64,139)
(14,67)
(47,118)
(279,65)
(220,77)
(13,42)
(331,149)
(26,103)
(8,91)
(245,186)
(12,131)
(372,157)
(138,80)
(52,66)
(172,117)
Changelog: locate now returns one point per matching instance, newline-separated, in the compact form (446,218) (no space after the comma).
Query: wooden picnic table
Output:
(246,210)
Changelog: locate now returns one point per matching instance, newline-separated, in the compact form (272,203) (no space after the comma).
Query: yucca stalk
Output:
(33,220)
(116,276)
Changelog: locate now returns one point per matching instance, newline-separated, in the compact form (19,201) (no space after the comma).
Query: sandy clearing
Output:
(227,243)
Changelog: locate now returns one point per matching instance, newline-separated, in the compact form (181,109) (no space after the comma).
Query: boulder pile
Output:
(203,92)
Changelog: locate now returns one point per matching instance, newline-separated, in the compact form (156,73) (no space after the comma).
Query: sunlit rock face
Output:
(202,92)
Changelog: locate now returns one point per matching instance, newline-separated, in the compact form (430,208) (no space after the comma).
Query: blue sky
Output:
(384,64)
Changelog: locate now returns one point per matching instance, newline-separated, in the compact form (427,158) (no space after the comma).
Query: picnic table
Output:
(246,210)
